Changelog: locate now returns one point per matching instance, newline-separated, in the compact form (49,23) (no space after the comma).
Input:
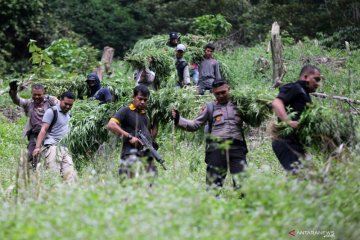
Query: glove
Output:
(177,116)
(13,85)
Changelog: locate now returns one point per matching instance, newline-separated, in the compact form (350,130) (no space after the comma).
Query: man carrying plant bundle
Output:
(173,39)
(208,69)
(128,121)
(53,129)
(34,109)
(294,97)
(224,127)
(96,91)
(182,67)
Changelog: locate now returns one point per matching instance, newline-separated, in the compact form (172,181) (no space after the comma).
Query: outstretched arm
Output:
(190,125)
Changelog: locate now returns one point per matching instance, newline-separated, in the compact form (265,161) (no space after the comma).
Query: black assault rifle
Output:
(152,150)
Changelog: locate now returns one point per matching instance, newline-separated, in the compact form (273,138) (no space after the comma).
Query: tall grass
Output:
(323,197)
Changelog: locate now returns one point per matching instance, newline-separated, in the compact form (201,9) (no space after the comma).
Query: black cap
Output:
(218,82)
(173,35)
(210,45)
(92,77)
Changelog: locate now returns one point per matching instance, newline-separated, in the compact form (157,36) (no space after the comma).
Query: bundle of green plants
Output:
(254,104)
(88,126)
(186,101)
(119,88)
(325,127)
(161,41)
(56,87)
(157,60)
(155,54)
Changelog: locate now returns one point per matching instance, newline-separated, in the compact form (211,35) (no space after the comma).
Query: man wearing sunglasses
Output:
(224,128)
(294,97)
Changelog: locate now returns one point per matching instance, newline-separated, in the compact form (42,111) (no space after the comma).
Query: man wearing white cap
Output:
(182,67)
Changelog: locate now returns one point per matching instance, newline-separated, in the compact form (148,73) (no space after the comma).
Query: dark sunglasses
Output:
(317,79)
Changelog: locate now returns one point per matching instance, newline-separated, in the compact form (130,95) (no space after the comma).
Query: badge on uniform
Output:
(218,118)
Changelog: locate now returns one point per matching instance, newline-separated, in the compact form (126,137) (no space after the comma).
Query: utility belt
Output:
(204,78)
(216,143)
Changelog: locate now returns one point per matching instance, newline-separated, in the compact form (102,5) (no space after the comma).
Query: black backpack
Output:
(54,119)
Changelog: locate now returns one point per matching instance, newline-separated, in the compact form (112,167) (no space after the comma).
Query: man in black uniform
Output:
(129,120)
(295,95)
(224,124)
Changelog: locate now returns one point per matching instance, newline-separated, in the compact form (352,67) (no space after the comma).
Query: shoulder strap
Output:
(54,119)
(210,110)
(97,92)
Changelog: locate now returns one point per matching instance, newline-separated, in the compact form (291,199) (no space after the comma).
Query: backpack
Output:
(180,65)
(54,119)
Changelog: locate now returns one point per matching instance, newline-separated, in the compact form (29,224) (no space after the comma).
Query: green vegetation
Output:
(323,197)
(120,24)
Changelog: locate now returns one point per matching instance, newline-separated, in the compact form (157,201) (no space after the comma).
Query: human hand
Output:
(13,85)
(293,124)
(135,141)
(36,152)
(175,115)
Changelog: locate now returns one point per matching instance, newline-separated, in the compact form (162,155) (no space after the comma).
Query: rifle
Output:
(152,150)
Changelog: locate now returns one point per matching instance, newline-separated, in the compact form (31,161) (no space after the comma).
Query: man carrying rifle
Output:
(128,121)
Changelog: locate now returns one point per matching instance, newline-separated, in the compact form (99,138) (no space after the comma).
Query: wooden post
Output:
(99,72)
(276,50)
(106,61)
(347,46)
(107,58)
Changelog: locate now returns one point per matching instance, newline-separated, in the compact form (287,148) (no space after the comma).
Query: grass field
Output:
(322,202)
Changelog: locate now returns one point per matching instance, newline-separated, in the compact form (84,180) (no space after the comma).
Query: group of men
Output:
(203,74)
(49,118)
(48,124)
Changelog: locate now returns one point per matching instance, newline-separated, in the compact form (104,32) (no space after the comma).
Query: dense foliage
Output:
(323,197)
(121,23)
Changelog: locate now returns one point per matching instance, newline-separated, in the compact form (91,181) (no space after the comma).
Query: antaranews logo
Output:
(324,234)
(292,233)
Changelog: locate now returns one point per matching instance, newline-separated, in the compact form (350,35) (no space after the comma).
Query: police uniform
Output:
(288,149)
(226,125)
(35,113)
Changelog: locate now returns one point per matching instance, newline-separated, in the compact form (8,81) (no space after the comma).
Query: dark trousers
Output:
(288,152)
(218,165)
(205,84)
(31,147)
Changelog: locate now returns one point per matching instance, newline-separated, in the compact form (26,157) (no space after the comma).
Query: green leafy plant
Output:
(215,25)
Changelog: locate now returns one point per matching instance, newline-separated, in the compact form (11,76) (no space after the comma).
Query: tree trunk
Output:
(276,50)
(106,61)
(107,58)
